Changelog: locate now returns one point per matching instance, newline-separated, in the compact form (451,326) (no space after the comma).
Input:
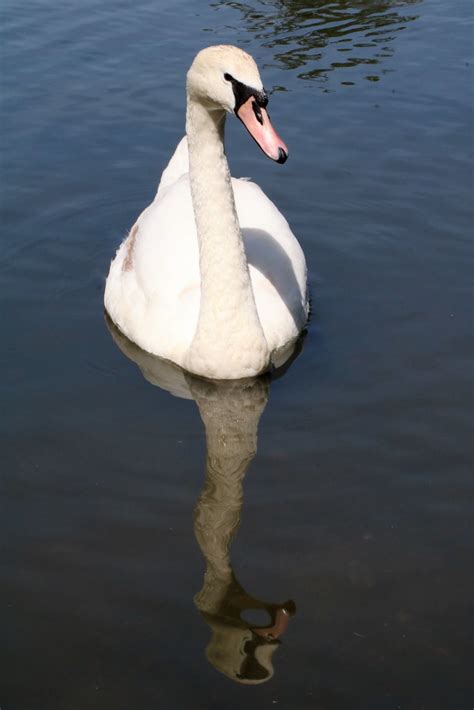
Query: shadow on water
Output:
(245,631)
(315,38)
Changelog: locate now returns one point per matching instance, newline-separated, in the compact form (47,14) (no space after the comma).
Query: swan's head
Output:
(226,78)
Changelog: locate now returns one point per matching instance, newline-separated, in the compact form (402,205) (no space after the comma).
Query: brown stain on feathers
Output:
(128,261)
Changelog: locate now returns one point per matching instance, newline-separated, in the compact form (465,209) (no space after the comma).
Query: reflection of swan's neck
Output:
(229,340)
(230,414)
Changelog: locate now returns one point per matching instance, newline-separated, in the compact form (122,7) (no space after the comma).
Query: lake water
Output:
(125,579)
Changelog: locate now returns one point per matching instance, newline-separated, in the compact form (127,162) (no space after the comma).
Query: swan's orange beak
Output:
(257,122)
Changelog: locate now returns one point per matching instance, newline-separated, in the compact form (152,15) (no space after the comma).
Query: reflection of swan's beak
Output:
(257,121)
(282,617)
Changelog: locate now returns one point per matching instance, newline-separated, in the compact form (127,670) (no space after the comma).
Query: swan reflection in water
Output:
(230,411)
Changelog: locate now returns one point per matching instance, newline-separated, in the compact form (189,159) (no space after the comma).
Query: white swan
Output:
(211,276)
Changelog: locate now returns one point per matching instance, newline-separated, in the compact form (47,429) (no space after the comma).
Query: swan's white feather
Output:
(155,300)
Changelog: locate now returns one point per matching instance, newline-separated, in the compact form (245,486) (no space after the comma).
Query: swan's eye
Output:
(263,102)
(228,77)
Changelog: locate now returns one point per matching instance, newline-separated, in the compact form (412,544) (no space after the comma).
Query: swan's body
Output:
(210,276)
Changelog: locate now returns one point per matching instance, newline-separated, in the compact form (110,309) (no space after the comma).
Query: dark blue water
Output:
(357,506)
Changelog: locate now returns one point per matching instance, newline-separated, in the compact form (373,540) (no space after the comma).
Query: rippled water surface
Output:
(126,579)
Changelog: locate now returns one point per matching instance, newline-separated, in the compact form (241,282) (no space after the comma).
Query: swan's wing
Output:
(277,265)
(152,291)
(176,168)
(264,225)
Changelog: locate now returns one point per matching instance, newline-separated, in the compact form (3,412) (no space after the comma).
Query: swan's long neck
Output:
(229,341)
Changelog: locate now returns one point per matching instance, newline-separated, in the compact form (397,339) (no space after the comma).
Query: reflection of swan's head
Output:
(227,78)
(240,654)
(240,651)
